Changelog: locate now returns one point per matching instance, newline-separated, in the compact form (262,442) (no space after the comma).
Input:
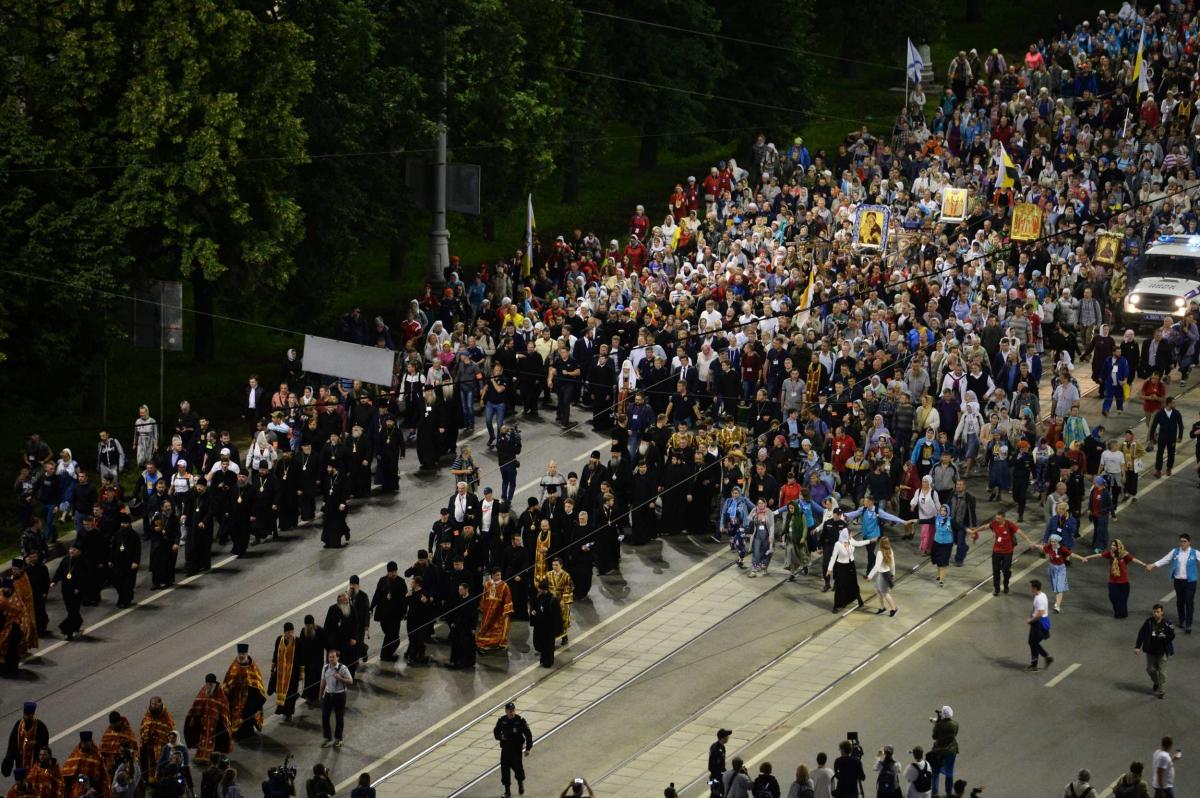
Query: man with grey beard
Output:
(342,629)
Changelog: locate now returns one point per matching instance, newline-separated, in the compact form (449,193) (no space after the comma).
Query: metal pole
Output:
(439,236)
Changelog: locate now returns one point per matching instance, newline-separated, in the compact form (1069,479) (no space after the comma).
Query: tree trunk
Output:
(648,152)
(974,10)
(570,189)
(397,258)
(202,301)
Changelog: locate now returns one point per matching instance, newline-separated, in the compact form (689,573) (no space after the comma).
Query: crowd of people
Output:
(759,375)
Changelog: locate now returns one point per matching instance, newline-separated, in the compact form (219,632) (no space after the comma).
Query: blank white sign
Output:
(351,361)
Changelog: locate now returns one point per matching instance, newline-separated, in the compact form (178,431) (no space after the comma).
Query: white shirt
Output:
(1179,568)
(485,510)
(1163,760)
(253,399)
(910,775)
(329,675)
(1040,604)
(460,506)
(822,779)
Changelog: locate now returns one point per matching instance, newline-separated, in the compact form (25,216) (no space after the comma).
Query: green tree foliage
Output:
(211,130)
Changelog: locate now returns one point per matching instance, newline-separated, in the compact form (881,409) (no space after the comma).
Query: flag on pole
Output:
(1006,170)
(806,300)
(916,64)
(530,227)
(1139,69)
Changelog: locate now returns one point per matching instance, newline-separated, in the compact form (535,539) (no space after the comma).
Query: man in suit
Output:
(464,507)
(1156,356)
(1166,430)
(254,402)
(687,373)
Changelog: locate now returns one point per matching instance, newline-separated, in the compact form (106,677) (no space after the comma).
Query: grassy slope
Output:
(608,193)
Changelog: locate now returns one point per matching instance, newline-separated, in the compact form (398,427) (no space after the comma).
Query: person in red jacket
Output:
(639,223)
(634,255)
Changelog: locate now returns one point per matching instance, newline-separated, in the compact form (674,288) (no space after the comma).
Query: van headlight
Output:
(1180,302)
(1134,299)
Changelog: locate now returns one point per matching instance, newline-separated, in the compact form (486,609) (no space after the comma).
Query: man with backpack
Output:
(1080,788)
(919,775)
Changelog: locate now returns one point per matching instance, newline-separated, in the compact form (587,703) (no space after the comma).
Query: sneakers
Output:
(1049,661)
(995,592)
(1031,667)
(326,743)
(337,743)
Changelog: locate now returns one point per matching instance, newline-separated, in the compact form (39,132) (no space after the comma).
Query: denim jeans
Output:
(508,481)
(48,513)
(335,704)
(493,413)
(945,766)
(467,397)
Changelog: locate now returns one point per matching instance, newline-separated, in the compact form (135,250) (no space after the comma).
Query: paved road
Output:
(417,715)
(166,644)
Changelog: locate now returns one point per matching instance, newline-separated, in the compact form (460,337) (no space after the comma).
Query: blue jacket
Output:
(735,512)
(1193,563)
(1067,531)
(1122,371)
(943,530)
(870,521)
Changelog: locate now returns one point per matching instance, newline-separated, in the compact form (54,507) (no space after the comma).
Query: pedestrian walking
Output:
(841,569)
(883,573)
(1039,626)
(1185,569)
(716,763)
(516,741)
(1162,774)
(1166,430)
(1156,642)
(1081,787)
(334,679)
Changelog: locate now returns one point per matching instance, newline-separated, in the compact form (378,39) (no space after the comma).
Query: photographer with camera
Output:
(320,785)
(577,789)
(945,747)
(280,781)
(174,778)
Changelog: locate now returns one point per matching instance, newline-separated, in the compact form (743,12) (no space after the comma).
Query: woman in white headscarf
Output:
(845,575)
(926,503)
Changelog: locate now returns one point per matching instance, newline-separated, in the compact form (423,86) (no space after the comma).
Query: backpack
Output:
(888,784)
(1125,789)
(924,780)
(806,792)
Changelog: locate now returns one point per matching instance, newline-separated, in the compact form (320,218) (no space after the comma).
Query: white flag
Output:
(916,64)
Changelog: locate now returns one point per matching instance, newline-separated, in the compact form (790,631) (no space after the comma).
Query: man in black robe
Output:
(311,654)
(239,515)
(287,483)
(39,582)
(422,608)
(602,378)
(593,474)
(71,574)
(265,505)
(333,522)
(516,565)
(581,560)
(342,631)
(463,619)
(388,604)
(198,552)
(309,485)
(607,536)
(360,454)
(223,484)
(645,489)
(361,605)
(388,446)
(125,556)
(546,617)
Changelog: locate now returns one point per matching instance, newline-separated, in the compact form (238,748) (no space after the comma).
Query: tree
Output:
(660,77)
(212,133)
(59,237)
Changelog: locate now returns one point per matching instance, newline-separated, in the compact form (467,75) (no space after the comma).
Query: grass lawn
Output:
(609,192)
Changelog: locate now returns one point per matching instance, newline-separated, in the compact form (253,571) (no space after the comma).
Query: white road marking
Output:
(150,599)
(529,670)
(853,689)
(1067,671)
(1167,597)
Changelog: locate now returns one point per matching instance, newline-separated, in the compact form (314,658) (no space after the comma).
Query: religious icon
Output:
(1108,246)
(954,204)
(871,226)
(1027,222)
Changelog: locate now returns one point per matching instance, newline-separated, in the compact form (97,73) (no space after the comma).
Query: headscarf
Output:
(1117,556)
(844,536)
(947,712)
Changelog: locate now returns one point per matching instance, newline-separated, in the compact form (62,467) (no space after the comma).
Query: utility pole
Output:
(439,236)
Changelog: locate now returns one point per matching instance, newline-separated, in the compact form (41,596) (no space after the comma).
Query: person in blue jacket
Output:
(1063,524)
(1185,566)
(871,531)
(1114,374)
(735,513)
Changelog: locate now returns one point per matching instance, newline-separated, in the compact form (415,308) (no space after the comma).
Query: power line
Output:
(757,44)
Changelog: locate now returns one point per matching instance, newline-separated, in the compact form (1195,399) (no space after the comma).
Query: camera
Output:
(856,749)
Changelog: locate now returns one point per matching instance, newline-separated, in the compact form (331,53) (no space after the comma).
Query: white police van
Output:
(1171,282)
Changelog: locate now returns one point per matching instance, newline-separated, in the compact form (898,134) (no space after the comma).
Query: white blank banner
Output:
(351,361)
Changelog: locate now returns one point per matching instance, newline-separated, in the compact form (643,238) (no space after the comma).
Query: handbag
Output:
(890,578)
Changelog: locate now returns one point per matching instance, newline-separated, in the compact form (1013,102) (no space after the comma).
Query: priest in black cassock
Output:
(333,521)
(516,565)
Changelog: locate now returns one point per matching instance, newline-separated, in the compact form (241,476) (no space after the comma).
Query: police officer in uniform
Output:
(515,742)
